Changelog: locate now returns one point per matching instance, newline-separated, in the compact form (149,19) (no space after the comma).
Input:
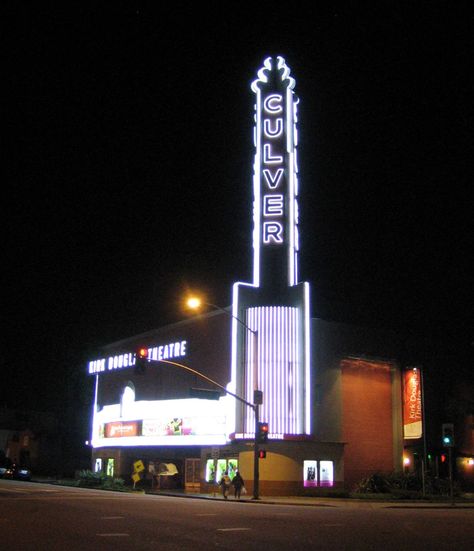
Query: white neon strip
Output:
(290,146)
(307,353)
(188,440)
(257,191)
(286,72)
(94,412)
(262,77)
(299,420)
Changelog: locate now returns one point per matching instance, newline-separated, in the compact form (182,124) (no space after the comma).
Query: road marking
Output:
(117,535)
(232,529)
(206,515)
(111,518)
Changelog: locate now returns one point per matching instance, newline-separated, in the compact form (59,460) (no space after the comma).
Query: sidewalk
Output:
(309,501)
(326,501)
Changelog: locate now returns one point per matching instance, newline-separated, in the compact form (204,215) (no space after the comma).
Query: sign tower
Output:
(271,352)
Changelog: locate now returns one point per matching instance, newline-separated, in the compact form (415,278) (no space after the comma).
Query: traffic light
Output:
(262,454)
(141,358)
(447,431)
(262,434)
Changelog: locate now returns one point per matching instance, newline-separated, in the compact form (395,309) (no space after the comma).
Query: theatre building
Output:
(337,402)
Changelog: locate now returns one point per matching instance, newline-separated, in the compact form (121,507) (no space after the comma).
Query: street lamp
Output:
(195,303)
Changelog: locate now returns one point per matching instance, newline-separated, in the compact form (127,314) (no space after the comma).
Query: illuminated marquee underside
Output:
(161,423)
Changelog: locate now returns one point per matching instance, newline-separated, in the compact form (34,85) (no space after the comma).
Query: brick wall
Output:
(367,419)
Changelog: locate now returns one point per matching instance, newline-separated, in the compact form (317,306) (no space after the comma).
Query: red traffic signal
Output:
(142,353)
(262,434)
(262,454)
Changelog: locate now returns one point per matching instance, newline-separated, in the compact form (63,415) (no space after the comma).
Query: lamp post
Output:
(195,303)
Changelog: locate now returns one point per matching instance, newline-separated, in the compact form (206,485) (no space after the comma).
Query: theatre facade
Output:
(338,404)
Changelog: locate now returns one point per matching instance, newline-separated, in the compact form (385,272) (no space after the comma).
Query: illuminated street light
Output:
(195,303)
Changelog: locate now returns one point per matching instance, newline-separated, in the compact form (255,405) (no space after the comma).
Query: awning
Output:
(167,469)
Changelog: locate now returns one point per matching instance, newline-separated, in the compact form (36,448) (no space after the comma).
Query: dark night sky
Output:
(129,167)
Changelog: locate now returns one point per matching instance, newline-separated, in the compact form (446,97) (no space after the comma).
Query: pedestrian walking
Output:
(225,483)
(238,483)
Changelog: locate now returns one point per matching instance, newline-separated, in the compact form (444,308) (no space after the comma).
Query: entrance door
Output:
(192,470)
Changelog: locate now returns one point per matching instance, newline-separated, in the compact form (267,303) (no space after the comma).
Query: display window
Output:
(110,466)
(318,473)
(211,470)
(215,469)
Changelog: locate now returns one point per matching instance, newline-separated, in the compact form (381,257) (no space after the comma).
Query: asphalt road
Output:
(44,517)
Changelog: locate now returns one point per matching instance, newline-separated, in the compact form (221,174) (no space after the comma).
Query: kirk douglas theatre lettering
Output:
(128,359)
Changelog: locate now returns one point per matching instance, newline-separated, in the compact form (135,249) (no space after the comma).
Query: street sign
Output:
(138,466)
(135,478)
(205,393)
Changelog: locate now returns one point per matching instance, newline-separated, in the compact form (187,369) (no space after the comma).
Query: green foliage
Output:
(376,483)
(90,479)
(404,486)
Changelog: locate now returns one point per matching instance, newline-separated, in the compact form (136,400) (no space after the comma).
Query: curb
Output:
(290,501)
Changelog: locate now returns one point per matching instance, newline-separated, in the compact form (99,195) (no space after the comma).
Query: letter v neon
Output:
(273,181)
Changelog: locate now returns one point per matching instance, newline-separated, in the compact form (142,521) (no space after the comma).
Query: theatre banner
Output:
(412,404)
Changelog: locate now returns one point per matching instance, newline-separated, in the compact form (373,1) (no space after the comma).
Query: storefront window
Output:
(326,473)
(110,466)
(98,465)
(318,473)
(229,465)
(310,477)
(211,470)
(221,468)
(232,466)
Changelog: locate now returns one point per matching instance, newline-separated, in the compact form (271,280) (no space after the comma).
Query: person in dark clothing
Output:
(238,484)
(225,483)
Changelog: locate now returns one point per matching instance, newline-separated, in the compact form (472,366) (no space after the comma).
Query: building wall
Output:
(357,402)
(281,472)
(208,351)
(356,421)
(367,413)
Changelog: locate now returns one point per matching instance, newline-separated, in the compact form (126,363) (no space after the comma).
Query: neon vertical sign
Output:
(271,348)
(275,173)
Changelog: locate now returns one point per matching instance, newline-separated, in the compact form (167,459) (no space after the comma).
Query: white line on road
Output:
(232,529)
(118,535)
